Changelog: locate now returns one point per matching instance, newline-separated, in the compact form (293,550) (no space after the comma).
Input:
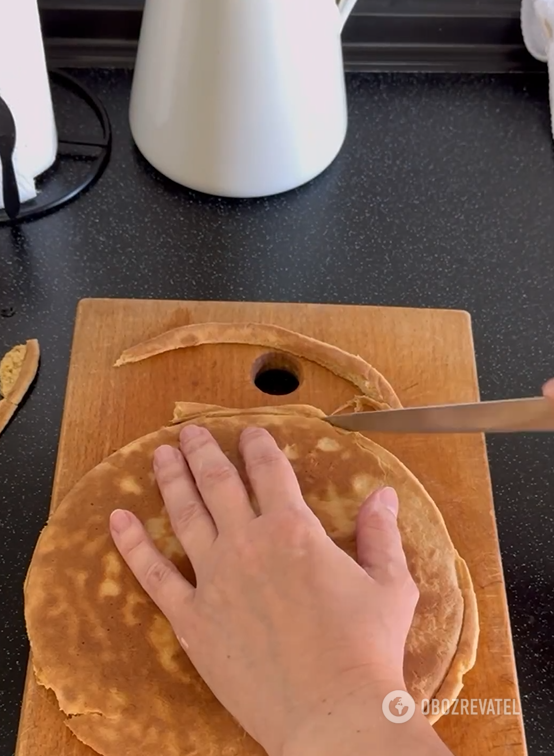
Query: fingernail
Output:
(165,454)
(388,498)
(120,520)
(191,431)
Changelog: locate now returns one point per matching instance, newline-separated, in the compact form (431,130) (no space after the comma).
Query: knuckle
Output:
(410,587)
(261,449)
(186,516)
(383,520)
(389,571)
(218,473)
(244,554)
(214,594)
(157,573)
(247,550)
(169,472)
(404,585)
(133,541)
(293,527)
(255,432)
(196,443)
(396,571)
(265,459)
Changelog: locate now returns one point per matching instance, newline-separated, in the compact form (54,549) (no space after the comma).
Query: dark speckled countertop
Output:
(443,196)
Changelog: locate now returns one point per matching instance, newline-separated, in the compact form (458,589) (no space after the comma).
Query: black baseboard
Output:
(382,35)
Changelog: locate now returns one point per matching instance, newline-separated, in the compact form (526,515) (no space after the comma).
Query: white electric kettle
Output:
(240,98)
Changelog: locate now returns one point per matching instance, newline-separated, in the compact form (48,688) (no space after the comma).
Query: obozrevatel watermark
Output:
(399,707)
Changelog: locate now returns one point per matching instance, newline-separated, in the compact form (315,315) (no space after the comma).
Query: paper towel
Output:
(25,87)
(25,184)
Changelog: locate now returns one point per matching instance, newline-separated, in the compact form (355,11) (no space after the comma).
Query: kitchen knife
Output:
(505,416)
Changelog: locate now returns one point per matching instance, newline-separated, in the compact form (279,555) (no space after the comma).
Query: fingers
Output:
(273,480)
(190,520)
(216,478)
(157,575)
(548,389)
(379,544)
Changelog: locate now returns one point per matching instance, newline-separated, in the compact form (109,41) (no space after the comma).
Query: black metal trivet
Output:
(87,157)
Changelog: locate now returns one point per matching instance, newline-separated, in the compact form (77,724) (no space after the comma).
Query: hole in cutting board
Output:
(276,374)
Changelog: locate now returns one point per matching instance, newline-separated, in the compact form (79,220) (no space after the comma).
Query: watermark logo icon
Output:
(399,706)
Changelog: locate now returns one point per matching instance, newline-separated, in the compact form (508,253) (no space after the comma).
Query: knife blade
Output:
(501,416)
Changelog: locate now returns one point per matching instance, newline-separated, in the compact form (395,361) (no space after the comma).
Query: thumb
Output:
(378,539)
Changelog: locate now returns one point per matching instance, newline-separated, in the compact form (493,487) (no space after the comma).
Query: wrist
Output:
(356,726)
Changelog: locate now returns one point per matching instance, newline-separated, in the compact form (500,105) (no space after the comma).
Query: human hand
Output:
(548,389)
(284,627)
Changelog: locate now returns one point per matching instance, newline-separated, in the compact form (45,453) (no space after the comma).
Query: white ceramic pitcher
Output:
(240,98)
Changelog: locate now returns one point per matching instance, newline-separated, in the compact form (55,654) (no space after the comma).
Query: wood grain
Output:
(428,357)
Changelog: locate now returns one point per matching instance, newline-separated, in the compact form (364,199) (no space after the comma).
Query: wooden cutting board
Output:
(428,357)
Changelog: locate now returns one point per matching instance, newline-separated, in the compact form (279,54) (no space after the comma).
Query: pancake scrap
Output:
(377,391)
(18,369)
(119,674)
